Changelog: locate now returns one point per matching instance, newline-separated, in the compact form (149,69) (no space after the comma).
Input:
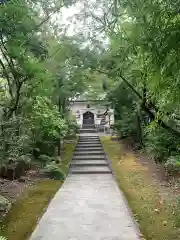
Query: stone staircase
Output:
(88,128)
(89,157)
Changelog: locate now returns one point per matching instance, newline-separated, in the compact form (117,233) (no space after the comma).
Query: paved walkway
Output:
(87,207)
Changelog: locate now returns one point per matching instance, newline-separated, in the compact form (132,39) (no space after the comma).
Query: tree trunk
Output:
(152,115)
(139,129)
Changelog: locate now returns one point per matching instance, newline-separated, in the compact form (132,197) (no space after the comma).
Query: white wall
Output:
(82,108)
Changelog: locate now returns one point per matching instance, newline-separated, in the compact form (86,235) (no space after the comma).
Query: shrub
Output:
(15,140)
(5,205)
(177,213)
(57,159)
(160,143)
(3,238)
(52,170)
(73,128)
(46,124)
(3,171)
(125,127)
(44,159)
(172,165)
(26,161)
(15,169)
(117,125)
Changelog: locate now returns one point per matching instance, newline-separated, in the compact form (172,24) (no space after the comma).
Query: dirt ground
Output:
(14,189)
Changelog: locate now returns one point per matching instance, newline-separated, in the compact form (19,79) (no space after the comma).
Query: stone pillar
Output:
(112,117)
(81,118)
(95,118)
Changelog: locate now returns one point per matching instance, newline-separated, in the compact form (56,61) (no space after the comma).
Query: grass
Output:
(68,150)
(25,212)
(158,218)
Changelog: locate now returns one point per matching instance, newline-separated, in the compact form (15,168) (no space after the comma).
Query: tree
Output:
(24,76)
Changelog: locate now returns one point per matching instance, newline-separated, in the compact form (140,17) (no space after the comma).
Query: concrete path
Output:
(87,207)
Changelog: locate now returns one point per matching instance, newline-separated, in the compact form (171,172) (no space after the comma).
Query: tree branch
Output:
(13,109)
(7,77)
(130,86)
(151,114)
(9,62)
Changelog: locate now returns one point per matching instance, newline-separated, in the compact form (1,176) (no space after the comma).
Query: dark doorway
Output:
(88,118)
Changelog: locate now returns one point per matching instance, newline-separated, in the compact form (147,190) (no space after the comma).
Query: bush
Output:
(5,205)
(73,128)
(57,159)
(3,171)
(177,211)
(46,124)
(172,165)
(3,238)
(160,143)
(125,127)
(26,161)
(53,171)
(15,169)
(44,159)
(13,145)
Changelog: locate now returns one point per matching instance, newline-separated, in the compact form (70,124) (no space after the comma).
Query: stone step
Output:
(90,130)
(89,145)
(76,163)
(81,149)
(89,157)
(89,139)
(84,153)
(87,126)
(89,136)
(90,170)
(89,142)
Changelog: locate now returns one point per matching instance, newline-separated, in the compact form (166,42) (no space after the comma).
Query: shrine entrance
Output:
(88,118)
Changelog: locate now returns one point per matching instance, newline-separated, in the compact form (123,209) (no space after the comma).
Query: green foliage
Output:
(37,79)
(142,63)
(177,211)
(126,127)
(25,160)
(3,238)
(5,205)
(45,120)
(47,126)
(42,69)
(57,159)
(54,171)
(14,141)
(160,143)
(73,128)
(44,160)
(172,165)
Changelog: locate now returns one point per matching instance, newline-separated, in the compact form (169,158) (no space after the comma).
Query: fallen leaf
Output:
(156,210)
(165,223)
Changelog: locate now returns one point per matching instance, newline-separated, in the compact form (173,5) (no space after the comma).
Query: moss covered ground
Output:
(27,210)
(158,218)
